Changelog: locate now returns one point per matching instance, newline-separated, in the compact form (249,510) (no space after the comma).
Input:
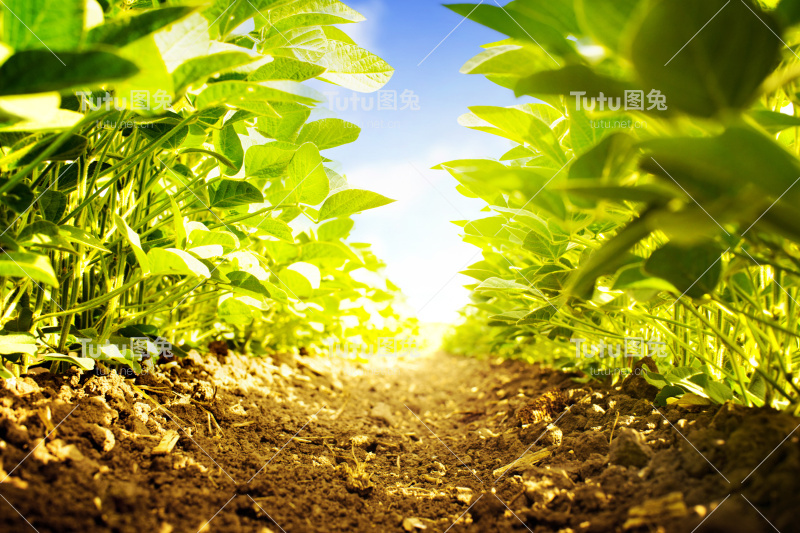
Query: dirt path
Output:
(422,445)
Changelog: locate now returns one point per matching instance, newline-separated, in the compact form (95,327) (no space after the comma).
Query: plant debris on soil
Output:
(434,443)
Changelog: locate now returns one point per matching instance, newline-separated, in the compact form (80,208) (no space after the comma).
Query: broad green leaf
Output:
(709,167)
(133,239)
(522,127)
(174,261)
(196,70)
(53,204)
(79,236)
(123,30)
(694,271)
(84,363)
(239,93)
(335,229)
(296,284)
(634,278)
(307,45)
(19,198)
(308,181)
(43,24)
(152,87)
(503,285)
(354,68)
(231,193)
(276,228)
(309,13)
(181,41)
(23,264)
(249,285)
(227,143)
(537,316)
(39,71)
(607,20)
(700,72)
(267,161)
(285,128)
(235,311)
(349,202)
(518,26)
(286,68)
(40,233)
(327,254)
(17,343)
(225,240)
(328,133)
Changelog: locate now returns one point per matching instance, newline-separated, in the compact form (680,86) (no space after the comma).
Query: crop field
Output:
(319,266)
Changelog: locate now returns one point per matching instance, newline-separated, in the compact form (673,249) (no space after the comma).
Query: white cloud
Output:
(366,33)
(422,248)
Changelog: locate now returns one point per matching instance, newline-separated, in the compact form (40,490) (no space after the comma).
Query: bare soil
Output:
(436,443)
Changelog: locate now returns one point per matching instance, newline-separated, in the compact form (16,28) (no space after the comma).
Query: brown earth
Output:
(420,445)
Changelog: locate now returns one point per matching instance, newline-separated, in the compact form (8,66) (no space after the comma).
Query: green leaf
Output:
(43,24)
(308,181)
(276,228)
(519,126)
(773,121)
(77,235)
(53,204)
(607,20)
(537,316)
(231,193)
(349,202)
(123,30)
(38,233)
(517,25)
(239,93)
(225,241)
(17,343)
(19,198)
(335,229)
(354,68)
(235,311)
(39,71)
(694,271)
(285,128)
(133,239)
(329,133)
(309,13)
(267,161)
(84,363)
(713,166)
(700,72)
(198,69)
(503,285)
(669,391)
(286,68)
(227,142)
(174,261)
(22,264)
(249,285)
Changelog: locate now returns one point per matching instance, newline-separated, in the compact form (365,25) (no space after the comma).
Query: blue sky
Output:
(396,149)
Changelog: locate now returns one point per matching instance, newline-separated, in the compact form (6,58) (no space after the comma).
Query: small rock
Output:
(629,449)
(103,438)
(410,524)
(383,413)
